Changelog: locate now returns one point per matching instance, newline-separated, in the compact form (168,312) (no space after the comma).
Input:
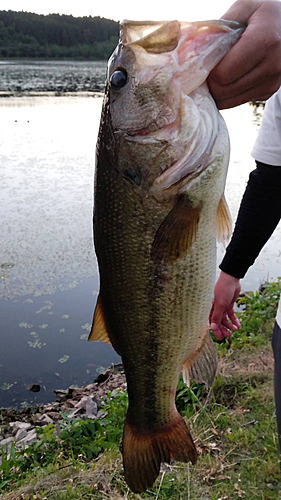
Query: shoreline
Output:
(49,93)
(18,427)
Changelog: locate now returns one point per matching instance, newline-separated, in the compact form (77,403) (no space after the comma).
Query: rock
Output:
(42,419)
(21,433)
(19,425)
(54,415)
(102,377)
(61,394)
(5,442)
(91,387)
(91,408)
(75,413)
(75,392)
(34,388)
(30,438)
(82,403)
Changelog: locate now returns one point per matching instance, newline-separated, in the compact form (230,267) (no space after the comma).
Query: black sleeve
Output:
(258,216)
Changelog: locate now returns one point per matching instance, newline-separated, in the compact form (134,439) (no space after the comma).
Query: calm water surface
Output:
(48,271)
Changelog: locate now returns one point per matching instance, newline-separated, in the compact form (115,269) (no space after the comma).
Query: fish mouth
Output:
(191,50)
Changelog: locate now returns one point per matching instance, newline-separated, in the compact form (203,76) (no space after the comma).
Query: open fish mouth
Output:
(188,51)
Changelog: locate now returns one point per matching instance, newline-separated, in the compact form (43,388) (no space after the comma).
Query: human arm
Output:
(252,68)
(258,216)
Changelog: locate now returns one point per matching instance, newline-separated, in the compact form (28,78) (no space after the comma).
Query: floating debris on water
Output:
(64,359)
(65,316)
(37,344)
(87,327)
(43,326)
(70,286)
(44,308)
(7,265)
(25,325)
(6,386)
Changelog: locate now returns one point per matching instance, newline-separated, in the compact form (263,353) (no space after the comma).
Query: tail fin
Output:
(143,452)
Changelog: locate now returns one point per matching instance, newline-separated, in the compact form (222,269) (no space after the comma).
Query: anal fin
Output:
(224,226)
(202,365)
(99,330)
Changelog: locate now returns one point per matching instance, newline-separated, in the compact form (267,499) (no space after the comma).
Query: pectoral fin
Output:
(99,331)
(224,226)
(177,232)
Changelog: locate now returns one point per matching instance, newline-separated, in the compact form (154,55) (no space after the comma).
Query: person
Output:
(251,71)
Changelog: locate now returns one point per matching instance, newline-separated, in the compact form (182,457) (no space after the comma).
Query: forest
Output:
(55,36)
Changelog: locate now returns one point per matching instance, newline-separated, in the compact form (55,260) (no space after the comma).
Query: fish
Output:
(161,161)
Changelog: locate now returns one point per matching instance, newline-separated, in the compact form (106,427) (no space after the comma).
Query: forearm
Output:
(258,216)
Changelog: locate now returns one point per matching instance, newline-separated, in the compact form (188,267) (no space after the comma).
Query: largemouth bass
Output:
(162,157)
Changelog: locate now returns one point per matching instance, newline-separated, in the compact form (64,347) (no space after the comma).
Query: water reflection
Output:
(46,200)
(48,270)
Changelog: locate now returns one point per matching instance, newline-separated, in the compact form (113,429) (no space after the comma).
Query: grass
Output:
(235,433)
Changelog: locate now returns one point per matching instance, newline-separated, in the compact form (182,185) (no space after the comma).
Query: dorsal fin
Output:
(99,330)
(224,226)
(177,232)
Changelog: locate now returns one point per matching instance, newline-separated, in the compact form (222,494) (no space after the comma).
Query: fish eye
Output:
(118,79)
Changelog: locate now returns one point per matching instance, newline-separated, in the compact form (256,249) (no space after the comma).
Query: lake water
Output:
(48,271)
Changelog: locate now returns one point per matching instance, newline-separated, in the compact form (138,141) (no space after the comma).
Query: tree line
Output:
(55,36)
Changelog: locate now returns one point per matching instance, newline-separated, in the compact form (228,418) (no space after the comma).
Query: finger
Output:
(248,96)
(216,331)
(239,11)
(219,331)
(217,313)
(246,89)
(232,316)
(242,58)
(229,325)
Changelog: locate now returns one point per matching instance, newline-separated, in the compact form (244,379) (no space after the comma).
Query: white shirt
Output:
(267,148)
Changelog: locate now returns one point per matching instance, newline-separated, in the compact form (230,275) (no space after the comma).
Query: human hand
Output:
(251,71)
(222,316)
